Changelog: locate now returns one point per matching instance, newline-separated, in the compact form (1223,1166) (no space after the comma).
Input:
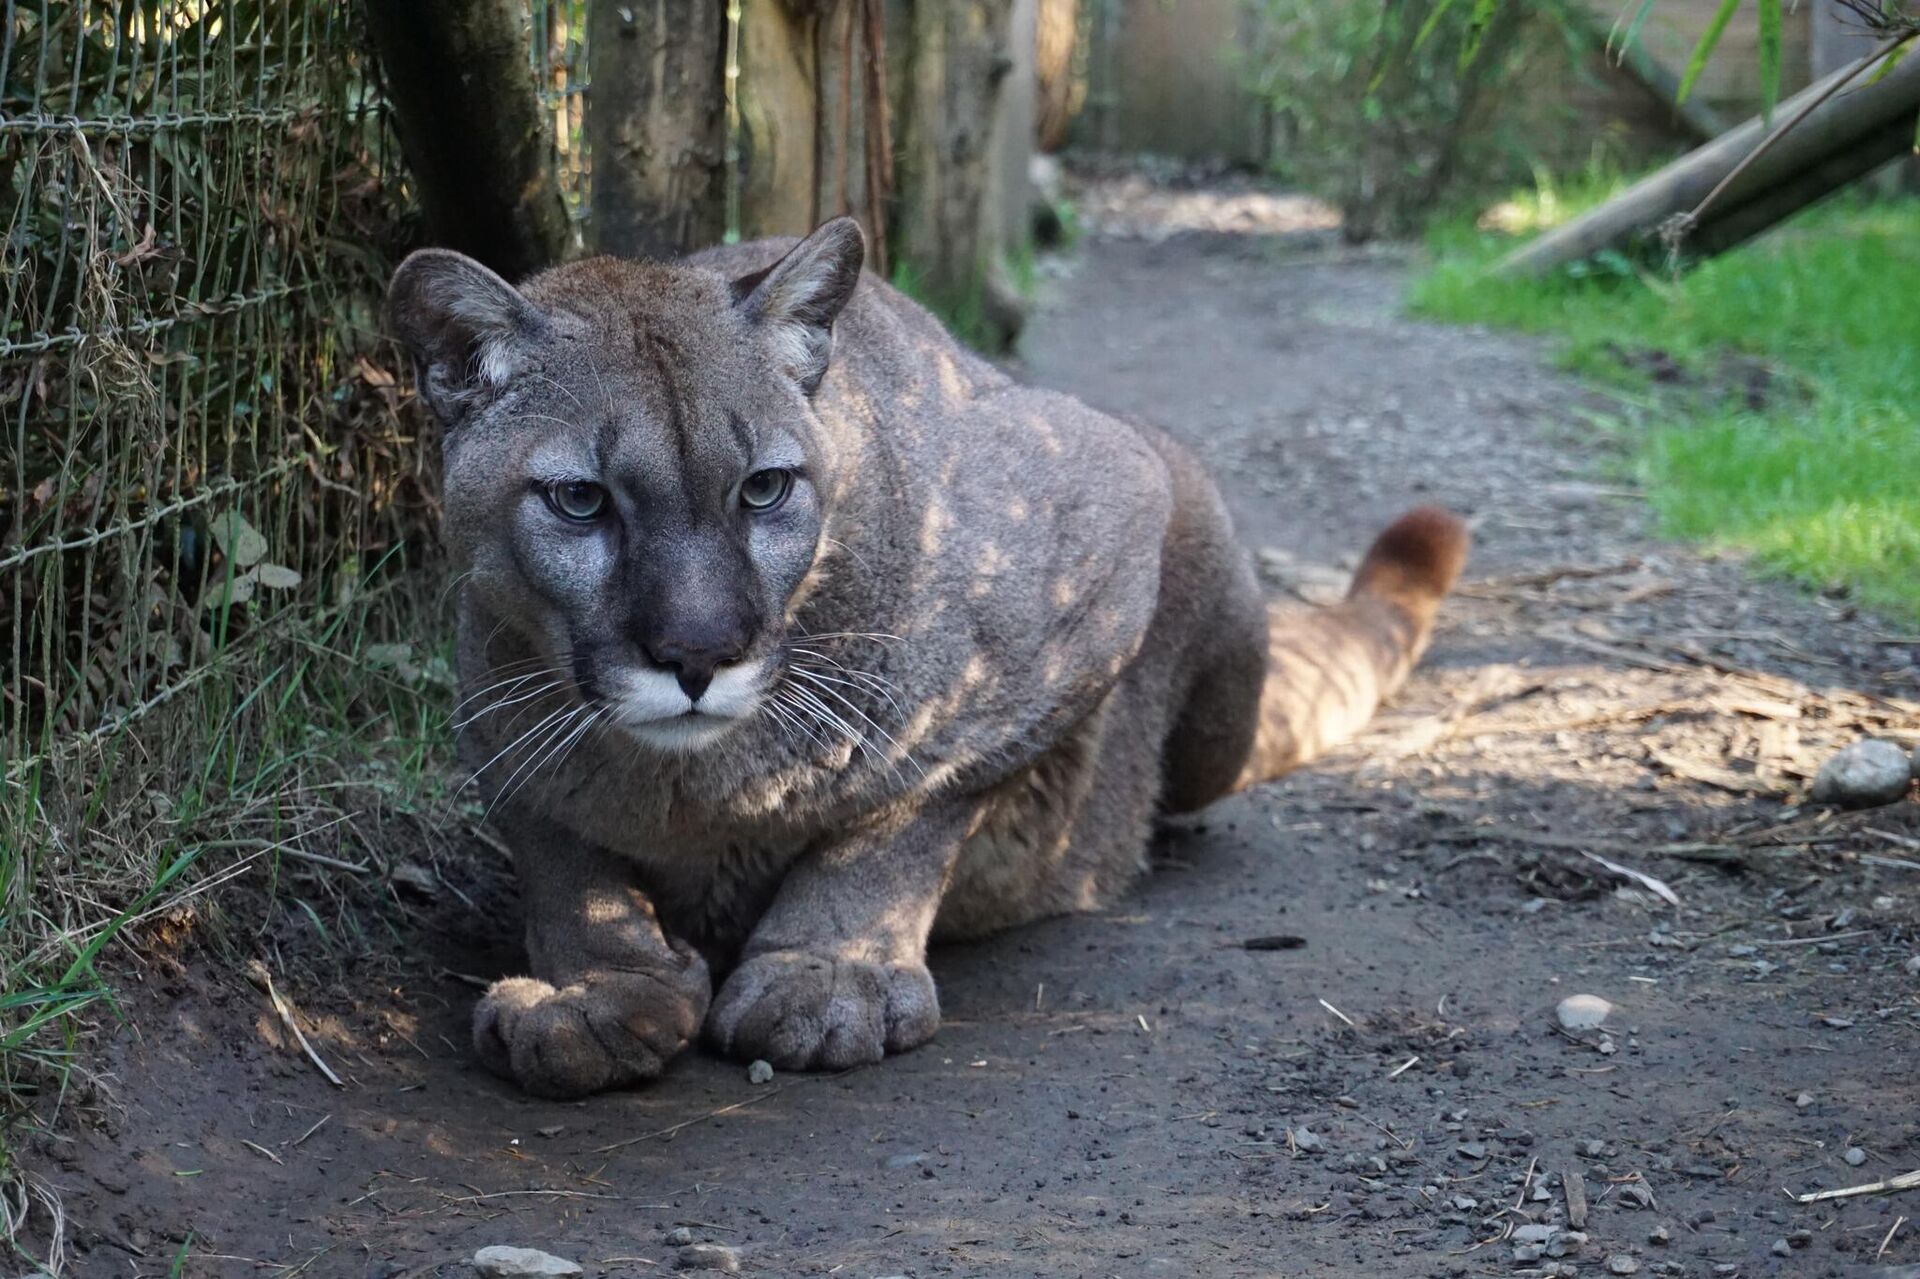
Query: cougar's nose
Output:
(694,657)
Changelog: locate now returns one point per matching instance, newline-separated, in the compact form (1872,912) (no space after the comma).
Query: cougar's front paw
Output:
(802,1011)
(607,1029)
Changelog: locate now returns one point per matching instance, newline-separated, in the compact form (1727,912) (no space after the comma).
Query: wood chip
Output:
(1576,1188)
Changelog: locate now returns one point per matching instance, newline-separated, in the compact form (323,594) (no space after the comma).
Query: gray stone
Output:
(1473,1150)
(679,1237)
(1621,1264)
(500,1262)
(708,1256)
(1866,774)
(1782,1248)
(1582,1012)
(1306,1141)
(760,1072)
(1854,1156)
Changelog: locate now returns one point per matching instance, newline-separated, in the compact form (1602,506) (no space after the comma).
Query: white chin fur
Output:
(651,707)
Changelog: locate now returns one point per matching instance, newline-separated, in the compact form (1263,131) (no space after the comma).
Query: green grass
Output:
(311,739)
(1821,482)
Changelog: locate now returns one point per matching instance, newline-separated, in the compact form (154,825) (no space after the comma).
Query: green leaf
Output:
(1619,48)
(1890,61)
(1432,23)
(1769,57)
(236,590)
(277,577)
(238,540)
(1704,50)
(1477,24)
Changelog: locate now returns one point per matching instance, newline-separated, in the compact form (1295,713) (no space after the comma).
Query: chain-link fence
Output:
(198,439)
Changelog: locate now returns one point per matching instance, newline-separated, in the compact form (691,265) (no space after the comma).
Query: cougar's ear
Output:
(467,329)
(796,300)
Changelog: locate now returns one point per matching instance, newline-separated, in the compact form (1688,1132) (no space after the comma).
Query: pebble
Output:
(1804,1100)
(1621,1264)
(760,1072)
(500,1262)
(1660,1235)
(1782,1248)
(1582,1012)
(1855,1156)
(708,1256)
(1473,1150)
(1866,774)
(1306,1141)
(679,1237)
(1912,966)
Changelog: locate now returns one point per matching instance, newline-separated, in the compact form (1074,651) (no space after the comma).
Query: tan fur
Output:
(1028,625)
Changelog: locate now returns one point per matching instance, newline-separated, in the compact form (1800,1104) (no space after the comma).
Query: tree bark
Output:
(468,113)
(656,125)
(957,59)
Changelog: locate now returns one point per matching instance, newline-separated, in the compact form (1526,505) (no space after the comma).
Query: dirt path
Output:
(1140,1093)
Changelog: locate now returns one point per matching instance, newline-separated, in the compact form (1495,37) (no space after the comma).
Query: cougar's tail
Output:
(1327,669)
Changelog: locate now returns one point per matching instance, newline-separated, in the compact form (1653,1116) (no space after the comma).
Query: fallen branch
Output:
(1905,1181)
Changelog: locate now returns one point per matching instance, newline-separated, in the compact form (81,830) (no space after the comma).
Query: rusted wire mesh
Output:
(198,443)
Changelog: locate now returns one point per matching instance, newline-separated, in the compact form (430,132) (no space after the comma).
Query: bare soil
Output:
(1377,1086)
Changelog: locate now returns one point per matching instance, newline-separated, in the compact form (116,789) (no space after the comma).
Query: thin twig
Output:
(1905,1181)
(286,1015)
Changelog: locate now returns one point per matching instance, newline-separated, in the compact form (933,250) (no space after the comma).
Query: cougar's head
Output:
(635,480)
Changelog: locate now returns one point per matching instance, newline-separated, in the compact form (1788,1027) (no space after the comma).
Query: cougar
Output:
(792,635)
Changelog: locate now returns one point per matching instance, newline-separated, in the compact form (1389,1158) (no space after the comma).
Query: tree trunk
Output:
(1058,90)
(1847,134)
(957,59)
(656,125)
(467,108)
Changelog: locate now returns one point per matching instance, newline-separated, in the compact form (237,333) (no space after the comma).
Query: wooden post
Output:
(656,124)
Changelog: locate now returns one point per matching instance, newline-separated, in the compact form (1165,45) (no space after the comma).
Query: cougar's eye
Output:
(577,500)
(764,490)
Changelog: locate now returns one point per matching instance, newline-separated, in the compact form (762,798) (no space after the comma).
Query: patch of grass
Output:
(274,783)
(1810,459)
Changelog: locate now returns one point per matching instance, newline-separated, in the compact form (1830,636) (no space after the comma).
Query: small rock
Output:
(1582,1012)
(1781,1248)
(1804,1100)
(1306,1141)
(897,1162)
(499,1262)
(1912,966)
(1532,1232)
(1660,1235)
(1621,1264)
(1525,1252)
(1854,1156)
(1465,1203)
(1593,1149)
(708,1256)
(760,1072)
(1473,1150)
(1800,1238)
(1866,774)
(679,1237)
(551,1130)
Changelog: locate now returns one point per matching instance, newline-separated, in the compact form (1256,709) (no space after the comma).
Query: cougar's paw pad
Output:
(602,1031)
(803,1011)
